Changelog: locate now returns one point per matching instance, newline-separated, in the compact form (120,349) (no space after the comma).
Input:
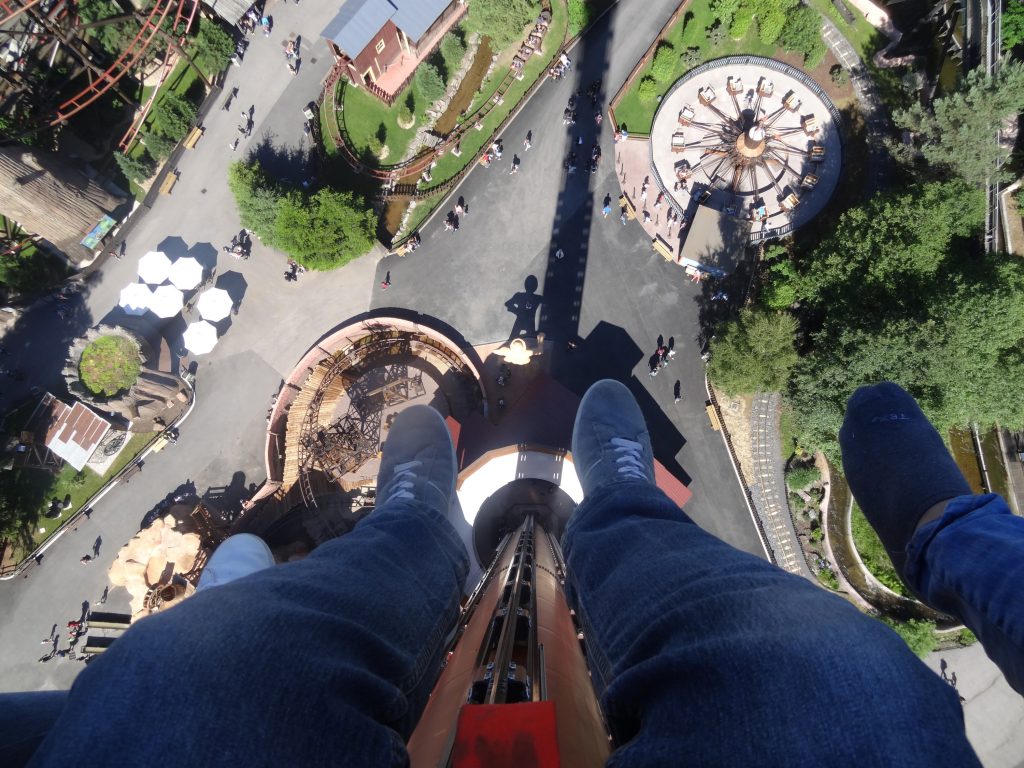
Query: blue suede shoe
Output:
(419,461)
(610,442)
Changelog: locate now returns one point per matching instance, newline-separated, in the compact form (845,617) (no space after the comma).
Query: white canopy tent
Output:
(200,337)
(215,304)
(135,298)
(185,273)
(167,301)
(153,267)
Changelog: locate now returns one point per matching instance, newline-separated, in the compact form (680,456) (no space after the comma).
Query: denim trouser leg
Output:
(705,655)
(326,661)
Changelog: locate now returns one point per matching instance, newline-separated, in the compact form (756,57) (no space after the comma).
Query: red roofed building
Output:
(69,432)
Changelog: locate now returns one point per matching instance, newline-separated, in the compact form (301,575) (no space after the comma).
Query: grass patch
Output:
(827,579)
(862,36)
(473,141)
(109,365)
(787,431)
(370,124)
(80,485)
(873,553)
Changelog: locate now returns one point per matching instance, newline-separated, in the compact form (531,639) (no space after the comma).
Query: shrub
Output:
(919,635)
(716,34)
(136,169)
(741,23)
(173,115)
(839,75)
(799,478)
(966,637)
(325,230)
(212,47)
(158,145)
(690,58)
(257,197)
(802,34)
(648,89)
(453,48)
(429,83)
(504,21)
(404,115)
(109,365)
(579,16)
(664,62)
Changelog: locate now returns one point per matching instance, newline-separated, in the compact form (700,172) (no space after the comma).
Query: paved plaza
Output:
(603,307)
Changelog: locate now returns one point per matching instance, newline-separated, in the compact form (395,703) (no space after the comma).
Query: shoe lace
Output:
(403,481)
(630,459)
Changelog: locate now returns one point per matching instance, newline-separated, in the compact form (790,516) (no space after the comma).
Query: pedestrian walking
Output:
(386,282)
(86,559)
(234,144)
(527,143)
(622,217)
(677,392)
(658,200)
(464,206)
(647,216)
(606,210)
(103,597)
(515,165)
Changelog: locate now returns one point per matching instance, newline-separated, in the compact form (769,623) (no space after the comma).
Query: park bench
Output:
(132,470)
(168,183)
(713,417)
(626,204)
(193,137)
(662,247)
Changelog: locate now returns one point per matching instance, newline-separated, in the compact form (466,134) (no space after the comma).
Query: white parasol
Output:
(215,304)
(200,337)
(185,273)
(135,298)
(167,301)
(153,267)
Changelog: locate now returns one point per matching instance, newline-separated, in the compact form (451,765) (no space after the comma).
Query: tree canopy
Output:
(322,231)
(501,20)
(1013,24)
(958,133)
(753,352)
(896,295)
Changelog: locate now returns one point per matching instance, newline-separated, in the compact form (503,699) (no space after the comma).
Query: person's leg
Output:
(709,655)
(25,719)
(326,661)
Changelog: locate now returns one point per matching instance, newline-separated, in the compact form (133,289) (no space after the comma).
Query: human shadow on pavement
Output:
(524,305)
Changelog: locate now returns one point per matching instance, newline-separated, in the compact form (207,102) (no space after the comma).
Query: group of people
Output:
(662,355)
(240,246)
(294,270)
(76,630)
(560,67)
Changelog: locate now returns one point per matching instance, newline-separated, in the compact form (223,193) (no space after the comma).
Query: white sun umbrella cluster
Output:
(154,267)
(135,298)
(185,273)
(200,337)
(167,301)
(214,304)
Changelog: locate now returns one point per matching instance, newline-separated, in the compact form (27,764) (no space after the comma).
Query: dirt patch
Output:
(841,96)
(736,415)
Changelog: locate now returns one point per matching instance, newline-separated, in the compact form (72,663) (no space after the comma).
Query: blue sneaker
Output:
(237,556)
(419,460)
(610,442)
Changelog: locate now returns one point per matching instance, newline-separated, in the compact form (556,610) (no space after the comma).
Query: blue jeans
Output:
(701,654)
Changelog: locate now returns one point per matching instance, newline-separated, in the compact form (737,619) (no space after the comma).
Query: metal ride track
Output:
(103,81)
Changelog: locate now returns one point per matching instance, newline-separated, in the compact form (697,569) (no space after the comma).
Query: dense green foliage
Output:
(322,231)
(453,48)
(173,115)
(112,38)
(839,75)
(773,16)
(872,553)
(893,295)
(504,21)
(212,47)
(648,88)
(158,145)
(753,352)
(799,478)
(136,169)
(429,82)
(958,133)
(664,62)
(580,14)
(109,365)
(802,34)
(1013,24)
(919,635)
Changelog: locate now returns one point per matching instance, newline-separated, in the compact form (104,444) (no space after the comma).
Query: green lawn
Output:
(873,553)
(865,38)
(80,489)
(365,117)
